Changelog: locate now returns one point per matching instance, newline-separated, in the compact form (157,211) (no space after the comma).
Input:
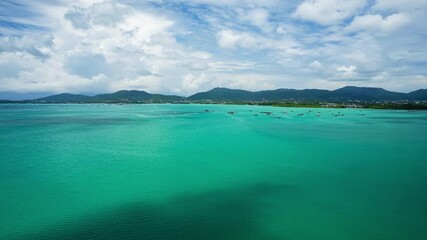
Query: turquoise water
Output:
(180,172)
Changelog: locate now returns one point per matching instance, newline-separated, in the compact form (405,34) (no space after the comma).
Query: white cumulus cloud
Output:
(258,17)
(192,83)
(378,23)
(347,71)
(327,12)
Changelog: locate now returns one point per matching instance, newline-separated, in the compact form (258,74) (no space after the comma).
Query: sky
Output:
(186,46)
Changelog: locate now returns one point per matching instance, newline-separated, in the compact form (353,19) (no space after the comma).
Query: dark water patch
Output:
(168,113)
(13,107)
(398,121)
(365,122)
(407,112)
(66,120)
(408,118)
(222,214)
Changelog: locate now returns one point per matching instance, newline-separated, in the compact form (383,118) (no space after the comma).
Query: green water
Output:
(179,172)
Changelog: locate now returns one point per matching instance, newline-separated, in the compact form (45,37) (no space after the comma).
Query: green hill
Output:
(418,95)
(345,94)
(64,97)
(366,94)
(123,96)
(134,96)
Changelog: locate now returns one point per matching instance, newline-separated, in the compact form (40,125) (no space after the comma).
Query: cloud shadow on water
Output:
(220,214)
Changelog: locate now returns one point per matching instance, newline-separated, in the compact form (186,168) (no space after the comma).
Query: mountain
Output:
(134,96)
(7,101)
(420,95)
(64,97)
(123,95)
(120,96)
(344,94)
(223,94)
(366,94)
(292,94)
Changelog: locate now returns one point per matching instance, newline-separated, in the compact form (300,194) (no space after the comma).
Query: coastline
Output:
(410,106)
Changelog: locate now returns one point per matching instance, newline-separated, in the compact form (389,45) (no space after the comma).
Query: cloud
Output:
(234,2)
(78,17)
(185,46)
(398,5)
(328,12)
(347,71)
(191,83)
(231,39)
(249,82)
(108,13)
(258,17)
(108,42)
(378,23)
(49,77)
(316,65)
(86,65)
(38,45)
(231,66)
(13,63)
(228,38)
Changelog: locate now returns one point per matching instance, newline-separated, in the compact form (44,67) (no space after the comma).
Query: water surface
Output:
(197,172)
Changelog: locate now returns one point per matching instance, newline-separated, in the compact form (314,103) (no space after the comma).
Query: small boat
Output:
(301,114)
(230,112)
(267,113)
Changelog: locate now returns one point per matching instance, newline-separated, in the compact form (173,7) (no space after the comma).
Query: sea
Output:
(211,172)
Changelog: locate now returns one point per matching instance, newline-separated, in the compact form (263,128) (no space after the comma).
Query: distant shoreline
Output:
(383,106)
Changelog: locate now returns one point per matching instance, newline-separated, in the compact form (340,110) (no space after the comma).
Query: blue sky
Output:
(185,46)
